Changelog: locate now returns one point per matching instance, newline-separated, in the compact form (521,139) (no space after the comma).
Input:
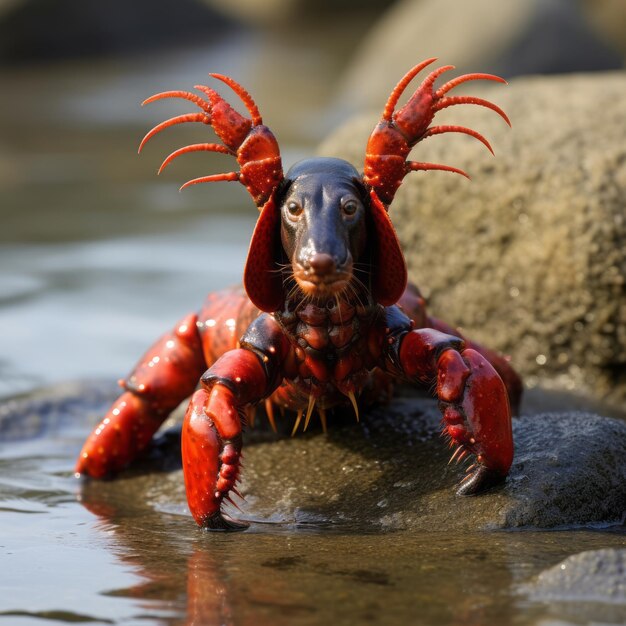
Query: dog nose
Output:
(322,264)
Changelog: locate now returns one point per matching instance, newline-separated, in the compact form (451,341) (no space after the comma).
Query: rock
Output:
(45,412)
(591,585)
(511,38)
(569,469)
(529,257)
(593,576)
(387,473)
(391,473)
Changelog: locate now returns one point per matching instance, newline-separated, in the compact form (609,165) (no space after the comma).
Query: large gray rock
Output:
(596,575)
(512,38)
(529,257)
(587,586)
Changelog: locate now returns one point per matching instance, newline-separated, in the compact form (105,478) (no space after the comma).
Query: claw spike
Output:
(237,492)
(227,497)
(309,410)
(462,456)
(269,410)
(187,95)
(295,426)
(211,93)
(179,119)
(452,100)
(401,86)
(355,406)
(196,147)
(438,130)
(246,98)
(428,82)
(466,477)
(456,453)
(230,176)
(462,79)
(415,166)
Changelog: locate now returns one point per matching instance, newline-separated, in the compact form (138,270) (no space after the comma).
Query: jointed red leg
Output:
(211,439)
(509,376)
(167,374)
(473,400)
(414,305)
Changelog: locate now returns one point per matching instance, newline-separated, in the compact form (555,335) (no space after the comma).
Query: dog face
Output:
(323,229)
(323,226)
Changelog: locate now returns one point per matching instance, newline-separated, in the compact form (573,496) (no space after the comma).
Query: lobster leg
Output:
(414,306)
(211,448)
(473,400)
(509,376)
(165,376)
(211,438)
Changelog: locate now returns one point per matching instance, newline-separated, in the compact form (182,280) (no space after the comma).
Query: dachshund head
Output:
(322,235)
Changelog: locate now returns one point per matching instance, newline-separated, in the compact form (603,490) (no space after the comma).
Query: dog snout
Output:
(322,264)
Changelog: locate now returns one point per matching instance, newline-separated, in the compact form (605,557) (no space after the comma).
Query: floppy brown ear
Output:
(389,275)
(261,280)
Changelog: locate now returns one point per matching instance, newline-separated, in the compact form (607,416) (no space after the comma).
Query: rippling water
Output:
(90,308)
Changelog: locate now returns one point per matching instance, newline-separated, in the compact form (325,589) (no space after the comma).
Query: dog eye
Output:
(349,207)
(294,209)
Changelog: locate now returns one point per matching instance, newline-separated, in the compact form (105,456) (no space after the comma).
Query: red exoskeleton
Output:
(326,320)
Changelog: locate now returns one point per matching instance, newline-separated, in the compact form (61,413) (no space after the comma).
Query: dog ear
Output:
(389,274)
(261,279)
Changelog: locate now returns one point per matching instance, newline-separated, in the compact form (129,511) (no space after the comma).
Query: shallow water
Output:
(97,258)
(127,551)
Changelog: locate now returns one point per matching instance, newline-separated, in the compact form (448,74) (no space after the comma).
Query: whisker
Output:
(353,293)
(306,298)
(338,308)
(362,291)
(293,291)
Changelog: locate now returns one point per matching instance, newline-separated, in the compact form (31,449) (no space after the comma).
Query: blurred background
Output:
(97,255)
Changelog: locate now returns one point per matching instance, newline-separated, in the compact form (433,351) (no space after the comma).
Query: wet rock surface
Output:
(390,473)
(538,235)
(387,473)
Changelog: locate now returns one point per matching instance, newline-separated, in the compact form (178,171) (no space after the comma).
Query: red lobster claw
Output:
(393,138)
(256,150)
(248,140)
